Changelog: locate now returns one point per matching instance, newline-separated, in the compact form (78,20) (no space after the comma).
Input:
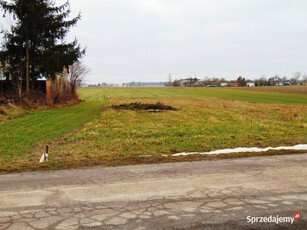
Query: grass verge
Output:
(18,136)
(112,161)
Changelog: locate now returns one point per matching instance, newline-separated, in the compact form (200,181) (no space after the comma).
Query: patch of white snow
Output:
(243,150)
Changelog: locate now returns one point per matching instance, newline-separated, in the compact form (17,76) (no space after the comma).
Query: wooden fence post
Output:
(49,91)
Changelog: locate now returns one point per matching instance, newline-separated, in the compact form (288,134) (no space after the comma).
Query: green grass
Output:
(207,119)
(200,125)
(19,135)
(97,94)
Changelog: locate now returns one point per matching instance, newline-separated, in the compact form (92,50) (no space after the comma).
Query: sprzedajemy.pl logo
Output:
(274,219)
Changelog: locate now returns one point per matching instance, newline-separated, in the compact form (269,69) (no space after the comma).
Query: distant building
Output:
(234,85)
(143,84)
(287,83)
(278,82)
(191,82)
(223,84)
(200,84)
(250,83)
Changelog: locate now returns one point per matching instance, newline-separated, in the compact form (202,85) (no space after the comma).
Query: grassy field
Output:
(93,133)
(278,89)
(241,94)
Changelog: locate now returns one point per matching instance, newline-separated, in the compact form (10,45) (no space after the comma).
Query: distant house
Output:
(234,85)
(200,84)
(183,81)
(250,83)
(278,82)
(190,82)
(223,84)
(287,83)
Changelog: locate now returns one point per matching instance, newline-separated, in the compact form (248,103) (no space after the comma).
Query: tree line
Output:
(298,78)
(34,45)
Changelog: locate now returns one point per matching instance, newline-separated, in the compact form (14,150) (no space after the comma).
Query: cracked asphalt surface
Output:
(199,195)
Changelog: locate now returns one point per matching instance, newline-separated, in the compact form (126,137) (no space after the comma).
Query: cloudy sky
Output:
(145,40)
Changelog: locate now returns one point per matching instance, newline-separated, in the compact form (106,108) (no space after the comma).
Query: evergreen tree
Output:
(40,30)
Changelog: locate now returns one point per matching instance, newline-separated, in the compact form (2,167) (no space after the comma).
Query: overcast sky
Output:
(145,40)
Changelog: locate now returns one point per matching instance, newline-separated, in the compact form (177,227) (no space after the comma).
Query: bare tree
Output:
(170,82)
(297,75)
(77,73)
(305,78)
(271,81)
(296,78)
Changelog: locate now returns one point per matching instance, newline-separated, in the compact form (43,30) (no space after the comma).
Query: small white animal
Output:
(44,157)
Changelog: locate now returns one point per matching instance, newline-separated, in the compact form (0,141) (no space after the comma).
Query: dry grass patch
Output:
(10,111)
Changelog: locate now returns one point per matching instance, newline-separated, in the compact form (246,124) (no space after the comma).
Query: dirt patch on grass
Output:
(157,107)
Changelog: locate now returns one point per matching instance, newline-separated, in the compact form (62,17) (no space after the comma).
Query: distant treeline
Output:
(128,84)
(297,79)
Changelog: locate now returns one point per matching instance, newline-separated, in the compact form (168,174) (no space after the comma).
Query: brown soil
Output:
(157,107)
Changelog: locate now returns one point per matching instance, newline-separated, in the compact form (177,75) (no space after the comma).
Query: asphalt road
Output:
(220,194)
